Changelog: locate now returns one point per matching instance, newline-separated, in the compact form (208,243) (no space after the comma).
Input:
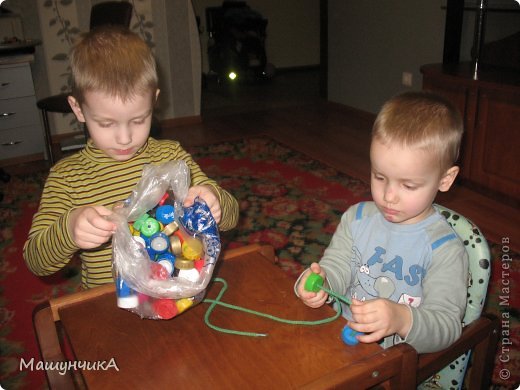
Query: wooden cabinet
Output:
(21,135)
(491,110)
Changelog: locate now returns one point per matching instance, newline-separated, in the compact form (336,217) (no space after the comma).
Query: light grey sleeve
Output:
(437,322)
(337,257)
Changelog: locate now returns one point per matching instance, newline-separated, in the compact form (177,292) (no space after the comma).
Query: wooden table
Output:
(185,353)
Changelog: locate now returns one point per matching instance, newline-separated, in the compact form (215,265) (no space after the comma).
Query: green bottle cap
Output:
(139,221)
(149,227)
(314,282)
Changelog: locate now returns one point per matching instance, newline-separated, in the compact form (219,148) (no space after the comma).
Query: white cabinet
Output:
(21,135)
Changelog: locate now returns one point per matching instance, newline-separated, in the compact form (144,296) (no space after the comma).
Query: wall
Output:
(293,30)
(178,58)
(372,42)
(168,26)
(59,27)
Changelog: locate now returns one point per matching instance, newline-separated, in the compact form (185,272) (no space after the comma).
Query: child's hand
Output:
(89,228)
(379,318)
(312,299)
(206,193)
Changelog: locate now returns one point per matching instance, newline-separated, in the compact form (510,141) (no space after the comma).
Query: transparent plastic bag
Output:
(163,253)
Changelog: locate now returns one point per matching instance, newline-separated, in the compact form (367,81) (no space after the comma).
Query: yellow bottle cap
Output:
(183,304)
(192,248)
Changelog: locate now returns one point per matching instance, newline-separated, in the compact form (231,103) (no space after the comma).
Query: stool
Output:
(55,103)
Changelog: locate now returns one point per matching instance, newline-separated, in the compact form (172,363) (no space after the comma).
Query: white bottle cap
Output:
(129,302)
(190,274)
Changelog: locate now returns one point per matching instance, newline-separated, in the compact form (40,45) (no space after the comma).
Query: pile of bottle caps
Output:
(173,252)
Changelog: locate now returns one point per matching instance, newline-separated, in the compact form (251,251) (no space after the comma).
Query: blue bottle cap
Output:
(348,335)
(165,214)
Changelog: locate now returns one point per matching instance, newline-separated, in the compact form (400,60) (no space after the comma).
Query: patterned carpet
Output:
(286,199)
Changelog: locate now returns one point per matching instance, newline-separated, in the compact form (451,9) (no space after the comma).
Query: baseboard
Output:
(287,69)
(181,121)
(300,68)
(365,115)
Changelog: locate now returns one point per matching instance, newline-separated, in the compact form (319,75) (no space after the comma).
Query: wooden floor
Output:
(338,136)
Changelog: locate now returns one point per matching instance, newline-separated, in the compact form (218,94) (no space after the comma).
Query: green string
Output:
(217,301)
(337,296)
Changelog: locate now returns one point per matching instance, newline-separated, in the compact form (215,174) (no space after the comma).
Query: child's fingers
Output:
(102,210)
(92,240)
(98,221)
(314,300)
(369,337)
(189,200)
(216,211)
(193,192)
(315,267)
(207,195)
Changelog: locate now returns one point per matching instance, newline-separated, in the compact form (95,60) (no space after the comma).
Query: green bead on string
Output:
(315,283)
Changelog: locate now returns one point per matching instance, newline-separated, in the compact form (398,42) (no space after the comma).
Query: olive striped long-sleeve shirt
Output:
(90,177)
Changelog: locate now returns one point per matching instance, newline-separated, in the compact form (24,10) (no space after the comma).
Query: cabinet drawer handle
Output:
(7,114)
(3,85)
(11,143)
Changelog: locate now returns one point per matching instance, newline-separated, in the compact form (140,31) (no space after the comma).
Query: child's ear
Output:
(76,108)
(448,178)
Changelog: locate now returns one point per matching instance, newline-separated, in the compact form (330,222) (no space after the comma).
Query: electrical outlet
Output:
(407,79)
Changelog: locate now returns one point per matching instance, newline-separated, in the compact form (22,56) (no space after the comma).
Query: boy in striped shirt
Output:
(114,89)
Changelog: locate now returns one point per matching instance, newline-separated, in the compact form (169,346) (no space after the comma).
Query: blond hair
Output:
(421,120)
(112,60)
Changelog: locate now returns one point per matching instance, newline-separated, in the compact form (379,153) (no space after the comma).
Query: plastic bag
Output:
(163,253)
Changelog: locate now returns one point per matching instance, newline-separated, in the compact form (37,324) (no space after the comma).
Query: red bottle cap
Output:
(159,272)
(165,308)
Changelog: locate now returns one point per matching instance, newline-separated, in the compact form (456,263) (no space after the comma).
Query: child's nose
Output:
(390,195)
(123,136)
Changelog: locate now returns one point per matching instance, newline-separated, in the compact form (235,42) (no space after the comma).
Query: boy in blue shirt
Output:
(404,267)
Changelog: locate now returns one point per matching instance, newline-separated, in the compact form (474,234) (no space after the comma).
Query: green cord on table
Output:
(217,301)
